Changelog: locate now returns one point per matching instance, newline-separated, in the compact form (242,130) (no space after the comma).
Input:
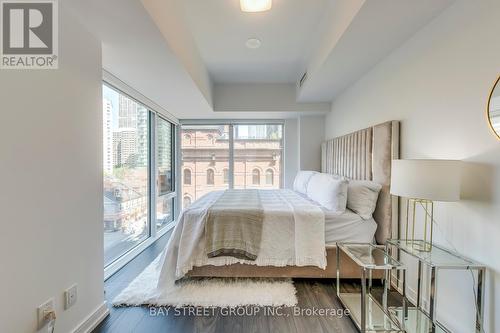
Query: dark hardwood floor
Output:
(312,295)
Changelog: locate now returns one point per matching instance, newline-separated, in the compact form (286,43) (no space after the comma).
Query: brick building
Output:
(205,159)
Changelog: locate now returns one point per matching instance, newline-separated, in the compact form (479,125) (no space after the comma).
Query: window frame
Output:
(157,232)
(154,112)
(231,124)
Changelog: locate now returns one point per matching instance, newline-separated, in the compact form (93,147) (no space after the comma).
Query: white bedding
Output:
(293,233)
(346,226)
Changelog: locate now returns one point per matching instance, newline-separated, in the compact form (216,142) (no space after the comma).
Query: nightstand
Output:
(438,258)
(365,311)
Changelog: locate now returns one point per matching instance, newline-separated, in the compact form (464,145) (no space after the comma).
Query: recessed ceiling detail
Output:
(190,57)
(220,29)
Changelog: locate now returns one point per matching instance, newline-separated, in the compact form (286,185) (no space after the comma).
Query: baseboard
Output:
(93,319)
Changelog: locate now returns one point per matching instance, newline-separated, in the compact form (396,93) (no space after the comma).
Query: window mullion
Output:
(231,157)
(153,172)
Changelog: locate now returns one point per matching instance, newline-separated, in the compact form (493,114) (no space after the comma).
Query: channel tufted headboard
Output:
(367,154)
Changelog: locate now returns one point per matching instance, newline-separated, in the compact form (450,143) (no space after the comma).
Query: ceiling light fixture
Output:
(253,43)
(255,5)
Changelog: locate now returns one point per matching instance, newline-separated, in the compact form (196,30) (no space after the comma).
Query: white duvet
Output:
(293,233)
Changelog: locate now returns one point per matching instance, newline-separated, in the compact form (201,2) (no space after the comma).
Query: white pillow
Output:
(362,196)
(328,191)
(301,181)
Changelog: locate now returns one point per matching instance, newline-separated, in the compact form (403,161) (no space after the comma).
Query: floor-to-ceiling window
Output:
(165,172)
(205,160)
(138,160)
(258,151)
(217,157)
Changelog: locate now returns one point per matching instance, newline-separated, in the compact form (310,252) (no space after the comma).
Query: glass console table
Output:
(436,259)
(365,311)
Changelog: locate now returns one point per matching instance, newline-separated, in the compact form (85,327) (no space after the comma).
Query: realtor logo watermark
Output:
(29,35)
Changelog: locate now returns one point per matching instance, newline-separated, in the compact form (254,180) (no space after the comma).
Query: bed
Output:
(362,155)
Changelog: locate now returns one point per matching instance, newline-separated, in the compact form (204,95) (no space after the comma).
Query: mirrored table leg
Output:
(480,299)
(419,283)
(338,271)
(405,303)
(370,281)
(387,273)
(363,300)
(433,296)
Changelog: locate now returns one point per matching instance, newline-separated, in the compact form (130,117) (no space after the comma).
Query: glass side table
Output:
(439,258)
(416,321)
(366,312)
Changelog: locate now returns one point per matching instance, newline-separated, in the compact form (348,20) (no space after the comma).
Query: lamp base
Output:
(424,245)
(419,245)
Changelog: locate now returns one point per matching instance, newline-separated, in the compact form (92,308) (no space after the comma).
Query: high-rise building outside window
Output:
(129,175)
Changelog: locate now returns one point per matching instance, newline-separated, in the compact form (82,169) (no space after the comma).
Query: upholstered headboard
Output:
(367,154)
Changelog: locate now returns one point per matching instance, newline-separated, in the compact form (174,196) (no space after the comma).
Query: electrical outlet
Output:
(70,296)
(42,310)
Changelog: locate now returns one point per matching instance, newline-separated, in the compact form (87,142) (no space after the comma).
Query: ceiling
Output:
(369,36)
(139,55)
(189,56)
(220,30)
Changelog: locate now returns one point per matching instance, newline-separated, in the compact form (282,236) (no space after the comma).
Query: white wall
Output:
(291,151)
(312,134)
(168,16)
(303,137)
(262,97)
(437,84)
(51,184)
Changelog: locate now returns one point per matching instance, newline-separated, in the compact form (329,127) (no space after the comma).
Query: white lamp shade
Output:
(436,180)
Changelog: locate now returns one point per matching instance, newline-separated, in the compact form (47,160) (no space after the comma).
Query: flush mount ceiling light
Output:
(253,43)
(255,5)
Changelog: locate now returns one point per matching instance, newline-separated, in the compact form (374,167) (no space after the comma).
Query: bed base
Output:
(349,269)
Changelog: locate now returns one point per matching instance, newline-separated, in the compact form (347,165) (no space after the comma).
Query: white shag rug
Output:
(210,292)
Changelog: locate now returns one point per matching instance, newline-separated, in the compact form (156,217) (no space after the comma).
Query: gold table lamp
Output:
(422,182)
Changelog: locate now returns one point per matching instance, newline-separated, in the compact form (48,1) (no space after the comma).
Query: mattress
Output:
(346,227)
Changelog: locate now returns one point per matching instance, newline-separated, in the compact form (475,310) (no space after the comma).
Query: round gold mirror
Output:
(494,108)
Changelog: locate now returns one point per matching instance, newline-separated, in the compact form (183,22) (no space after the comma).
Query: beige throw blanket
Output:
(234,225)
